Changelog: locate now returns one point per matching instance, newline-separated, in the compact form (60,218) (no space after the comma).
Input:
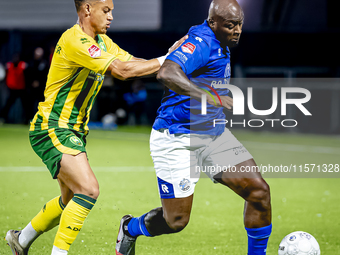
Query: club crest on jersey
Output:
(184,184)
(75,140)
(94,51)
(188,48)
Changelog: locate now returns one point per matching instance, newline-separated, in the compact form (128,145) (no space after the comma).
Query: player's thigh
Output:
(173,159)
(50,145)
(225,153)
(63,152)
(75,172)
(246,183)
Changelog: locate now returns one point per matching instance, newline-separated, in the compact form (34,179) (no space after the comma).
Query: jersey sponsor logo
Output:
(184,185)
(94,51)
(227,71)
(181,56)
(75,140)
(188,48)
(84,40)
(96,76)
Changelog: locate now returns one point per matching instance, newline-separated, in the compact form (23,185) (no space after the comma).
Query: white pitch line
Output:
(22,169)
(124,169)
(250,145)
(96,169)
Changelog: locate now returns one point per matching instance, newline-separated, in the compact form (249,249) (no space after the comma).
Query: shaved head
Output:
(225,9)
(226,20)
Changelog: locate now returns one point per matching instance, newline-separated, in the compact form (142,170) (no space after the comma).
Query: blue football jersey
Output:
(203,60)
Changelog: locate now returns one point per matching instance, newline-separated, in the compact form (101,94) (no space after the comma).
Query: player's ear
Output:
(211,23)
(87,9)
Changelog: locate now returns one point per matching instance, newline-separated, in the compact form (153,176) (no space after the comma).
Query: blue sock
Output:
(136,227)
(258,240)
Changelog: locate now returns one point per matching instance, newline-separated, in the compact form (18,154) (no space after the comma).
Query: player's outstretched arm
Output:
(138,67)
(138,59)
(172,76)
(133,69)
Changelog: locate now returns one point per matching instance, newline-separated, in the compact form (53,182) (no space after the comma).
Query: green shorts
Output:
(51,144)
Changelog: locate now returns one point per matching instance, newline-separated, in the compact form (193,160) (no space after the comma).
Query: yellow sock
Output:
(49,216)
(72,220)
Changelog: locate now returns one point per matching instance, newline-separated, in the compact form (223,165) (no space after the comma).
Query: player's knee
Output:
(260,194)
(94,192)
(91,190)
(178,223)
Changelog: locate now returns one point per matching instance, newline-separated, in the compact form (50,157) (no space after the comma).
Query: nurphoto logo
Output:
(239,104)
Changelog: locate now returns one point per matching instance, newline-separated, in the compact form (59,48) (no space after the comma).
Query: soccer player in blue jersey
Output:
(181,139)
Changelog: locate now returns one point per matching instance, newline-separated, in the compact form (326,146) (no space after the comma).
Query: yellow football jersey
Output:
(74,80)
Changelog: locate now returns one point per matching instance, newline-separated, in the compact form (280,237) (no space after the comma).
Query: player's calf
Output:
(257,211)
(177,221)
(256,193)
(156,222)
(75,174)
(159,222)
(71,222)
(257,216)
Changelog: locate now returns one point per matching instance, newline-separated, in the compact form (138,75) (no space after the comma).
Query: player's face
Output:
(228,30)
(101,16)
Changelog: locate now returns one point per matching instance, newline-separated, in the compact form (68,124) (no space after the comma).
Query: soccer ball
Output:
(299,243)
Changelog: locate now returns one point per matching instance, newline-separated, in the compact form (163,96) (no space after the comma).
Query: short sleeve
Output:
(193,54)
(88,55)
(115,50)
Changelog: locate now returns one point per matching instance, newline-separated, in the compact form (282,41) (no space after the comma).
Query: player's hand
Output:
(177,44)
(227,102)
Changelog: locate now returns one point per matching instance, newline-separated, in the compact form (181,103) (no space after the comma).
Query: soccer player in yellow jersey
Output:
(58,131)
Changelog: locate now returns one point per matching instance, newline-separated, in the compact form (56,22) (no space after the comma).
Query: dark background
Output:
(281,38)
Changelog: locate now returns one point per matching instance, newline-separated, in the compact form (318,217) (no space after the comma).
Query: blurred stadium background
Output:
(286,39)
(281,39)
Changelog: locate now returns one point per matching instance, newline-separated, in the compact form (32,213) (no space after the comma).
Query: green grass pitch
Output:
(121,162)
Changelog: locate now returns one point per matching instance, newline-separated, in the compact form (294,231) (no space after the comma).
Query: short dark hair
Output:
(79,3)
